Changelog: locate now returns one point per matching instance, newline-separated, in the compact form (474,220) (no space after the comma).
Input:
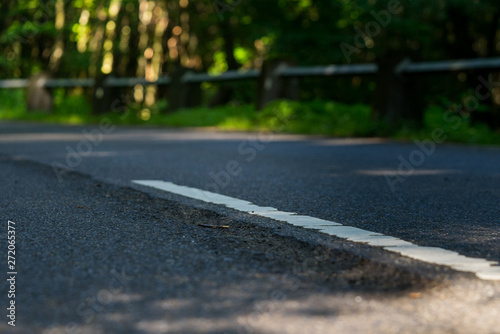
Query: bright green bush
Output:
(225,117)
(318,117)
(12,103)
(305,117)
(457,127)
(72,105)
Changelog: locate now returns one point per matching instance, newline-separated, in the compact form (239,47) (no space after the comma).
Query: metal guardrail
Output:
(405,67)
(129,82)
(14,83)
(65,83)
(191,77)
(85,82)
(451,65)
(329,70)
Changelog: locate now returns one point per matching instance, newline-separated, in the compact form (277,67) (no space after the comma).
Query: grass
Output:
(454,127)
(312,117)
(72,109)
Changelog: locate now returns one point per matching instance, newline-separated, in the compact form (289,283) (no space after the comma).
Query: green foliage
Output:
(246,34)
(457,127)
(72,109)
(74,104)
(318,117)
(12,103)
(225,117)
(314,117)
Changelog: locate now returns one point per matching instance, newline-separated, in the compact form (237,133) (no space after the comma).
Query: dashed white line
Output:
(487,270)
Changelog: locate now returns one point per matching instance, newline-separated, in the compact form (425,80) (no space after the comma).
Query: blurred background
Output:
(154,40)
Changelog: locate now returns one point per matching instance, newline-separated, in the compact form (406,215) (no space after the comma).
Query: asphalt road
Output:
(97,256)
(451,200)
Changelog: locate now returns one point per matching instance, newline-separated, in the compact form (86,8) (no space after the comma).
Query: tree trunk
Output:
(225,92)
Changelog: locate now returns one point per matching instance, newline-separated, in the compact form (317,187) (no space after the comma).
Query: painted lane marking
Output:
(487,270)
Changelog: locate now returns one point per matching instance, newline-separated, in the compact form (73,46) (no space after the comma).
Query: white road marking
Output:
(487,270)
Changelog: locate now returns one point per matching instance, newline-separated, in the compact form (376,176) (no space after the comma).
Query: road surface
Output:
(99,253)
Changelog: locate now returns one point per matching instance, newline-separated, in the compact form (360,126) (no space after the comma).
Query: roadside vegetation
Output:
(317,117)
(94,39)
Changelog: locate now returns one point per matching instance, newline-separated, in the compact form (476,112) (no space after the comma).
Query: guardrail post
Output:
(291,88)
(39,98)
(389,94)
(271,85)
(105,95)
(485,82)
(193,90)
(177,90)
(181,92)
(413,95)
(397,97)
(102,96)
